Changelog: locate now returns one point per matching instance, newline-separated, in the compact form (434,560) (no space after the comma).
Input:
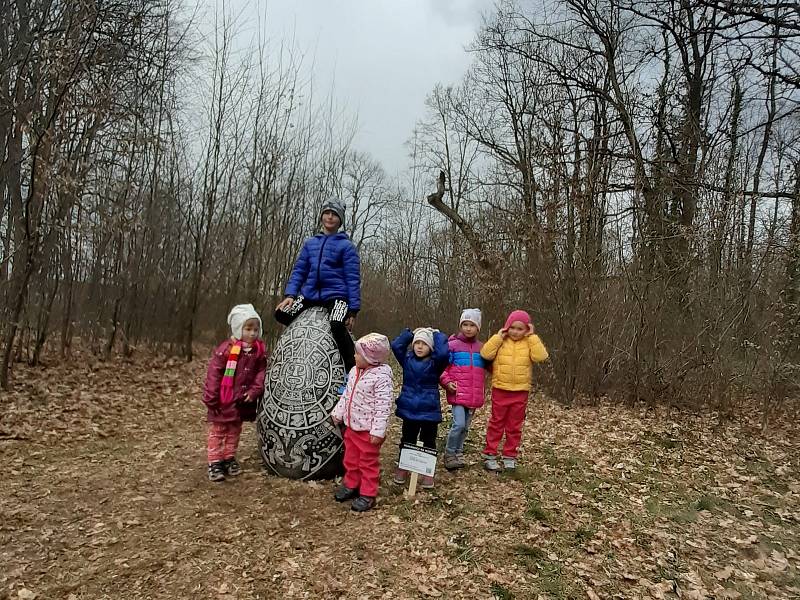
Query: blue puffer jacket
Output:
(419,397)
(328,268)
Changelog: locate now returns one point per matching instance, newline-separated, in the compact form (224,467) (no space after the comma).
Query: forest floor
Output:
(105,495)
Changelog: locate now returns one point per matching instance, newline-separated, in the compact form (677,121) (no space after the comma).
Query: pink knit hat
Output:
(517,315)
(374,347)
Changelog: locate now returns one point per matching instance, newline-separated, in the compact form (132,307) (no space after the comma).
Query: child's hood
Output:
(517,315)
(462,338)
(379,371)
(339,235)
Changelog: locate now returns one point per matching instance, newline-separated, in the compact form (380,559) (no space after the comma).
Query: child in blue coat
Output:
(327,273)
(418,404)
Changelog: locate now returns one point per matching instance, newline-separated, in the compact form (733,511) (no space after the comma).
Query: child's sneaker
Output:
(362,503)
(451,462)
(509,463)
(491,464)
(216,472)
(400,476)
(232,467)
(427,482)
(344,493)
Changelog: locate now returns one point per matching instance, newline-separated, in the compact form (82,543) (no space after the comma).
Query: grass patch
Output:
(642,540)
(526,474)
(684,516)
(687,513)
(705,503)
(549,576)
(536,511)
(550,579)
(550,457)
(461,548)
(447,504)
(771,517)
(583,534)
(530,552)
(406,512)
(662,440)
(653,506)
(501,592)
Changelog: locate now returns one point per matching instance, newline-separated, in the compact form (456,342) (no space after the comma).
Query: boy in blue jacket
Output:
(418,404)
(327,273)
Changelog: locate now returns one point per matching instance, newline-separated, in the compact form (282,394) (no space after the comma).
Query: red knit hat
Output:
(517,315)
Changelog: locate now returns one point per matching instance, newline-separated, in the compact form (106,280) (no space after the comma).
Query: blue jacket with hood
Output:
(419,397)
(328,267)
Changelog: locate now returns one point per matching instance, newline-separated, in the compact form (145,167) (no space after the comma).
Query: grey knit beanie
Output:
(335,205)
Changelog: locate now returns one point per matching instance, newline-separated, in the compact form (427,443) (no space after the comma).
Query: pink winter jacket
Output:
(467,369)
(248,379)
(367,400)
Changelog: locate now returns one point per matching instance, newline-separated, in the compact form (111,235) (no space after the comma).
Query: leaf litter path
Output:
(105,496)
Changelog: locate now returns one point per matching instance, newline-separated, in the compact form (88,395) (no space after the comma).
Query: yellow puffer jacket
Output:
(511,370)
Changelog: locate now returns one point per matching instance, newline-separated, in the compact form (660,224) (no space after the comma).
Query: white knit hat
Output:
(239,315)
(473,315)
(424,334)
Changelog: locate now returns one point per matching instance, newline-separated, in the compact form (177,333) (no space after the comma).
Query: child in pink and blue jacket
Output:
(463,381)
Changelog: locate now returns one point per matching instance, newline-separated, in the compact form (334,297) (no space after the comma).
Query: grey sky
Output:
(382,56)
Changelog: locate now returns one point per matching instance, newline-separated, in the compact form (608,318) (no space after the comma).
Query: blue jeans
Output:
(458,431)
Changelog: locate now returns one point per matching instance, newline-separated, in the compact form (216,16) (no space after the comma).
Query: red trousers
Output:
(361,463)
(508,416)
(223,440)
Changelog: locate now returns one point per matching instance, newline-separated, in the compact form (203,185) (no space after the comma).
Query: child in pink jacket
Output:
(364,409)
(463,381)
(234,383)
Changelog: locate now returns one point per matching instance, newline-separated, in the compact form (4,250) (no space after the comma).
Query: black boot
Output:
(345,493)
(232,467)
(363,503)
(216,471)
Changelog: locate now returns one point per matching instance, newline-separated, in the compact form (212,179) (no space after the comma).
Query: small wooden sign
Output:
(419,461)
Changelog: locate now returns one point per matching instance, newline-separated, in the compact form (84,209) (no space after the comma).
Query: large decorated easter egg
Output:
(297,436)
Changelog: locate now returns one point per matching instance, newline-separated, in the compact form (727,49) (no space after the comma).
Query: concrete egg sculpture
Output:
(297,437)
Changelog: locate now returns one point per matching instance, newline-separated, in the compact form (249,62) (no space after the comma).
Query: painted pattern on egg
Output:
(297,437)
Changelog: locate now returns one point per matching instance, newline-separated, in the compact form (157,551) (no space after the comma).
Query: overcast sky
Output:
(382,56)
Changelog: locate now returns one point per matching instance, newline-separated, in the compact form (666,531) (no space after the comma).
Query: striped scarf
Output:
(226,386)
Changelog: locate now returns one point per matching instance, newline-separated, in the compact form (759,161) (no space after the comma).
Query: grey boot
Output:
(491,464)
(451,462)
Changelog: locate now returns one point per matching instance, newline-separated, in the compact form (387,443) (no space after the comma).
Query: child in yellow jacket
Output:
(513,349)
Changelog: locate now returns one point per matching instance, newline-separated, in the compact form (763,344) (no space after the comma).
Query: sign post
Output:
(419,461)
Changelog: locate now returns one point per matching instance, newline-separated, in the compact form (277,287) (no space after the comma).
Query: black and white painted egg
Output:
(297,436)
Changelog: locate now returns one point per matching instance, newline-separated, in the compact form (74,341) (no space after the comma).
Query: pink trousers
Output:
(361,462)
(223,440)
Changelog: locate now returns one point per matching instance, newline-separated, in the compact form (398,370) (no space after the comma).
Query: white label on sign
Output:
(418,460)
